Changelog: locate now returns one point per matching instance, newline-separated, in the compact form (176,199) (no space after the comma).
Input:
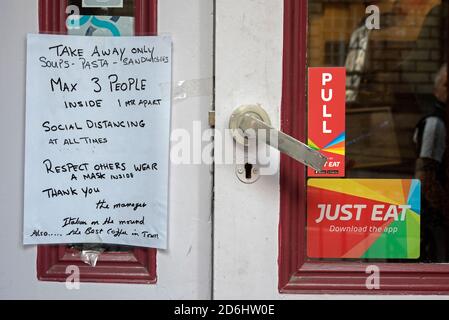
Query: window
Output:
(116,264)
(392,75)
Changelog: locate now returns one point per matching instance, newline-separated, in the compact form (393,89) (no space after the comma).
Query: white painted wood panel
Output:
(184,270)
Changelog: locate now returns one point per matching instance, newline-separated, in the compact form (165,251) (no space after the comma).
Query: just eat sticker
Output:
(363,218)
(326,119)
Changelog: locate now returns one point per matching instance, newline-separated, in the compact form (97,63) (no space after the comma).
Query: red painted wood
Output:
(293,112)
(296,273)
(52,16)
(146,17)
(137,265)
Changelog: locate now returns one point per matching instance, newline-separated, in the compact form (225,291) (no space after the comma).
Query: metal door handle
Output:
(254,117)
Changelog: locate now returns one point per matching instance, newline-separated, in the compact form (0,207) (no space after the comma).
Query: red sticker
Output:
(326,119)
(363,218)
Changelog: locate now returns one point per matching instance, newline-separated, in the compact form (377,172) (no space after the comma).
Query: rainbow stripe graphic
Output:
(384,237)
(336,146)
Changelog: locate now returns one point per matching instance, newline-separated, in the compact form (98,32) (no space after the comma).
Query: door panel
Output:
(246,246)
(248,71)
(184,269)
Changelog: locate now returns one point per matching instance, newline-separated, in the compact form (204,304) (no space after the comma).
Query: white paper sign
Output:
(97,140)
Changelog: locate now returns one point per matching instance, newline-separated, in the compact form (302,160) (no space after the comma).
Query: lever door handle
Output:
(250,119)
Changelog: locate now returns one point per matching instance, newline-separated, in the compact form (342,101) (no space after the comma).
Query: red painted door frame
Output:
(297,274)
(137,265)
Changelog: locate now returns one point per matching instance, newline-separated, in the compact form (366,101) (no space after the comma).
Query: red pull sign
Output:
(326,119)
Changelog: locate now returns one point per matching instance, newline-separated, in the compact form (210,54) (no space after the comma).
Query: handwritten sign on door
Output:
(97,140)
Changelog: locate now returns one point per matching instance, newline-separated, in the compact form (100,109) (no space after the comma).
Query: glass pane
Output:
(104,21)
(117,22)
(396,96)
(127,10)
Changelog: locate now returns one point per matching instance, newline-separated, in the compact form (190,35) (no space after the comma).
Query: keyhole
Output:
(248,170)
(247,173)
